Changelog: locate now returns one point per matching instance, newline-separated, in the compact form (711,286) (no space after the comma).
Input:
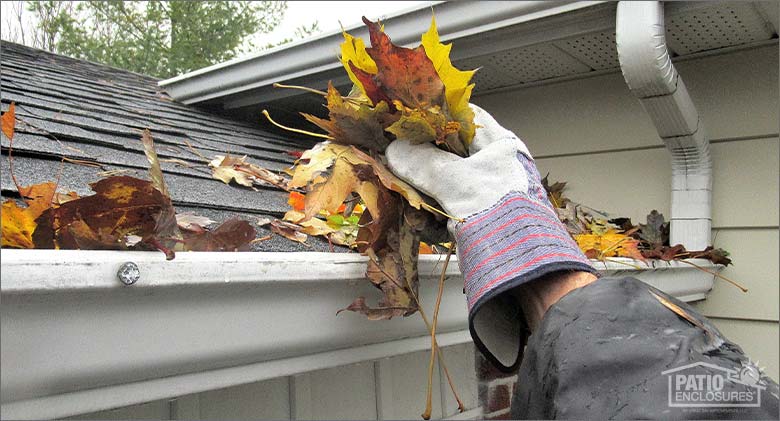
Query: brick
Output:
(498,398)
(486,370)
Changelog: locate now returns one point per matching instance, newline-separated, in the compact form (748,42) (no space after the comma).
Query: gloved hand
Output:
(511,234)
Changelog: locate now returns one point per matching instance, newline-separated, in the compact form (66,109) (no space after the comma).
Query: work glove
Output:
(510,235)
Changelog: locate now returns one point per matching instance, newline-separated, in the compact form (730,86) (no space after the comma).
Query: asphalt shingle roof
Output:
(95,113)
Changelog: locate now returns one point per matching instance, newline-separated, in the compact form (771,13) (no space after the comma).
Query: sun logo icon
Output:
(750,374)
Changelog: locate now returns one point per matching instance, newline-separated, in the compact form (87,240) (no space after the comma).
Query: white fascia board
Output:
(455,20)
(75,339)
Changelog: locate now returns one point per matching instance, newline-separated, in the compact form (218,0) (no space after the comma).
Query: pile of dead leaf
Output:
(342,189)
(601,237)
(125,213)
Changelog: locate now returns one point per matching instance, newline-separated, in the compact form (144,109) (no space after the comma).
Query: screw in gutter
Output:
(129,273)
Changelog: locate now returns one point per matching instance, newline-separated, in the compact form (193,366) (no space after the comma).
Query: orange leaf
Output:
(8,121)
(297,201)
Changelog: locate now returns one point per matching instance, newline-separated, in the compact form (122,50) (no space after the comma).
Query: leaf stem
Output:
(715,274)
(315,91)
(428,406)
(302,88)
(290,129)
(439,352)
(442,213)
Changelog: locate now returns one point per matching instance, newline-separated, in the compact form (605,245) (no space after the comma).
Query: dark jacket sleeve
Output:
(611,350)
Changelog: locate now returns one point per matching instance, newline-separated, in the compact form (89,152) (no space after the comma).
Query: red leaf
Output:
(403,73)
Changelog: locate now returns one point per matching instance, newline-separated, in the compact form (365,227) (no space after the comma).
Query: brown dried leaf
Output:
(229,168)
(191,222)
(373,313)
(656,232)
(555,192)
(289,231)
(232,235)
(404,74)
(155,172)
(355,124)
(121,206)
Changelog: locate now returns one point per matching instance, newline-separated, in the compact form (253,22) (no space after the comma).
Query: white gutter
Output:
(77,340)
(651,76)
(317,56)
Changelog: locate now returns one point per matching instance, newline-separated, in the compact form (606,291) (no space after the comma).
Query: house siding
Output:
(389,388)
(595,135)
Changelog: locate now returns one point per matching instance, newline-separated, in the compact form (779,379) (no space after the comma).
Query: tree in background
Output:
(156,38)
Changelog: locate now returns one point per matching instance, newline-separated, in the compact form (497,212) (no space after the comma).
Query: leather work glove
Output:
(511,234)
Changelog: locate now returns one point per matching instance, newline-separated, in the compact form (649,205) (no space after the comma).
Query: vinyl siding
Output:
(390,388)
(593,134)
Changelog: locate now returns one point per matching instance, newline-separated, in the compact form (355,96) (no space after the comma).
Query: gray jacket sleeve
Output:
(611,350)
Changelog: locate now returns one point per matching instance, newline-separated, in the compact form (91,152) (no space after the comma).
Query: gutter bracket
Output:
(650,75)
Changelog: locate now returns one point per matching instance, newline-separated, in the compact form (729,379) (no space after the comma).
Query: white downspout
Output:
(651,76)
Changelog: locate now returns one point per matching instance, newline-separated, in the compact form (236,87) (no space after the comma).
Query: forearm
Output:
(537,296)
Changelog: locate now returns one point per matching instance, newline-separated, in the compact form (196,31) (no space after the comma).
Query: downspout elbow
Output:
(650,75)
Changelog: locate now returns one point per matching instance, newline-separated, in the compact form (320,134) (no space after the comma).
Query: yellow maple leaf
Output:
(18,223)
(609,244)
(457,89)
(18,226)
(354,50)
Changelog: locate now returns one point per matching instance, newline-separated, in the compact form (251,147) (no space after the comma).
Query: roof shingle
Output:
(95,113)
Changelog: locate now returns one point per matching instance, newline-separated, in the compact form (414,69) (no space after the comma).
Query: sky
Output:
(299,13)
(329,13)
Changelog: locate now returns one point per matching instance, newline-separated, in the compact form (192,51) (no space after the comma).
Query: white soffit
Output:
(706,27)
(513,43)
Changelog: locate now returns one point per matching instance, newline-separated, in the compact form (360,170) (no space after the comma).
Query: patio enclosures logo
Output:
(704,385)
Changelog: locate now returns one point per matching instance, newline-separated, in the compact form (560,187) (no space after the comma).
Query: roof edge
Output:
(455,19)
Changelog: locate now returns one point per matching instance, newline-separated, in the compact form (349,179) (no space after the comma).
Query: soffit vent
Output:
(597,49)
(708,28)
(522,65)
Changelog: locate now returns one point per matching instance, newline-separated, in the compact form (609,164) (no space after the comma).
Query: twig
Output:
(604,259)
(82,162)
(715,274)
(111,173)
(176,161)
(195,151)
(260,239)
(320,135)
(428,407)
